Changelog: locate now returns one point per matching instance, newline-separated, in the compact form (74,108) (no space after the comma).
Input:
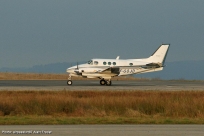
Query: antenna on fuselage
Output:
(118,57)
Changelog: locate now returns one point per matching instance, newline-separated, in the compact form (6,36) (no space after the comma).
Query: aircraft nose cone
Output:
(69,70)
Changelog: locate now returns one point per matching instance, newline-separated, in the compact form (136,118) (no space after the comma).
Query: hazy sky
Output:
(35,32)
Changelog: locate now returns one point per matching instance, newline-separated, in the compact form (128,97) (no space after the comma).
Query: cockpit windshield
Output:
(90,62)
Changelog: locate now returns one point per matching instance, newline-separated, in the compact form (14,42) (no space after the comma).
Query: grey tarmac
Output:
(104,130)
(52,85)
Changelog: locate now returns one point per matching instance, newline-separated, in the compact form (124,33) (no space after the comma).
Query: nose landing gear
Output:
(69,81)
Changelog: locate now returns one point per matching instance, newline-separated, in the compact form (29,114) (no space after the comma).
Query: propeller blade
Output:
(77,70)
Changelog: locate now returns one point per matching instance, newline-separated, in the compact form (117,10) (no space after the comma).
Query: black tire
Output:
(69,82)
(102,82)
(108,83)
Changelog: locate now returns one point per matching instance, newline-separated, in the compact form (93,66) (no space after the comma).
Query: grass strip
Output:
(49,120)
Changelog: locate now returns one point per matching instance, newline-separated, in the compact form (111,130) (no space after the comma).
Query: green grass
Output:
(51,120)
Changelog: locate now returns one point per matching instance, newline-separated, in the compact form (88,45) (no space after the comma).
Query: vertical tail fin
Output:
(159,56)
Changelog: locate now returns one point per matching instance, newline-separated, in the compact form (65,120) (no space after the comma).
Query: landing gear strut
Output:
(69,81)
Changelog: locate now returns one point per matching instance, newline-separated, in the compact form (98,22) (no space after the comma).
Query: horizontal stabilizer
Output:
(154,64)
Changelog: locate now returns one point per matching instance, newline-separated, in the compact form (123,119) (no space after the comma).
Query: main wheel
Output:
(102,82)
(108,83)
(69,82)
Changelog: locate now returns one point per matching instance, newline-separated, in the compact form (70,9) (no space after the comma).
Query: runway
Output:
(104,130)
(94,85)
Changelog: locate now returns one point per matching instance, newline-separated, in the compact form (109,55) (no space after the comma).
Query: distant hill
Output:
(190,70)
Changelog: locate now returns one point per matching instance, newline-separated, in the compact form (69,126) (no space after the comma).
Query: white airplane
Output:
(105,69)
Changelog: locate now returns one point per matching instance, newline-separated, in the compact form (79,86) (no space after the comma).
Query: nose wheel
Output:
(69,81)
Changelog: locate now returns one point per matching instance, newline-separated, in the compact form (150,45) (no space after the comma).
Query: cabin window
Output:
(109,63)
(114,63)
(90,62)
(131,64)
(95,62)
(104,63)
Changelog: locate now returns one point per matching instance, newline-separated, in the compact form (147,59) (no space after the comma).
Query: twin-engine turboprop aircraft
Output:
(105,69)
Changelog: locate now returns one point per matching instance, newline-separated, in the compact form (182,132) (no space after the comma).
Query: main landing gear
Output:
(105,82)
(69,81)
(102,81)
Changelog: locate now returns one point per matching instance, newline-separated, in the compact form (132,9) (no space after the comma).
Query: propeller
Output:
(77,69)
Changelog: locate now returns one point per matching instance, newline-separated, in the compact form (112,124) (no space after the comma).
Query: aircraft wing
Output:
(111,70)
(106,69)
